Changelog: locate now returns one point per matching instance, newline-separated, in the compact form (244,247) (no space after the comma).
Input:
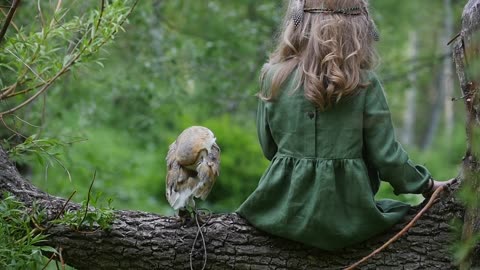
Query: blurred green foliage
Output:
(183,63)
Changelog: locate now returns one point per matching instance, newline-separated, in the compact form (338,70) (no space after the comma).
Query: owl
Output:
(193,164)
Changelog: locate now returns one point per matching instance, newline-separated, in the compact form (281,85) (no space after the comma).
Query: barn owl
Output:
(193,163)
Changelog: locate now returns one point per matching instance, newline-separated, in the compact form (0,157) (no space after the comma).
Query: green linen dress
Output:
(326,168)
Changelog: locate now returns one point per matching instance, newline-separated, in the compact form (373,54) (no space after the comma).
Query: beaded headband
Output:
(313,6)
(345,11)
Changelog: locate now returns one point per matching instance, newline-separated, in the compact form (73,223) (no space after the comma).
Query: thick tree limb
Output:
(147,241)
(467,59)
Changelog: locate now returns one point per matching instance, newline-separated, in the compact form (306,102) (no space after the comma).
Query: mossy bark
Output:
(139,240)
(467,60)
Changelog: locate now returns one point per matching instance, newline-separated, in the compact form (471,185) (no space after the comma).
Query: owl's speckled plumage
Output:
(193,163)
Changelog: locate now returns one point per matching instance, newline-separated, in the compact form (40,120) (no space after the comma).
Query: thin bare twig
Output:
(102,9)
(57,8)
(43,119)
(45,87)
(24,121)
(8,91)
(37,225)
(200,233)
(49,261)
(59,5)
(431,201)
(40,13)
(88,198)
(9,18)
(24,63)
(13,24)
(61,210)
(12,130)
(24,91)
(61,258)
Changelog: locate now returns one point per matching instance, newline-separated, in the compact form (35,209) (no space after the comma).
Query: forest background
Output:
(190,62)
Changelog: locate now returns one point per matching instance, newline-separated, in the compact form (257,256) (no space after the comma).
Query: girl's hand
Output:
(437,184)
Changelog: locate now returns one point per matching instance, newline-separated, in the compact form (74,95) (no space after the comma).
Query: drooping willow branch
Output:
(86,50)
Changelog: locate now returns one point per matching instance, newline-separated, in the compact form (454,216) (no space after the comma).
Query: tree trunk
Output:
(443,85)
(447,79)
(140,240)
(410,112)
(467,60)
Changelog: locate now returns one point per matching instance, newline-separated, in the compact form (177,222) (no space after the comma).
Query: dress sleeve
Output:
(382,149)
(269,147)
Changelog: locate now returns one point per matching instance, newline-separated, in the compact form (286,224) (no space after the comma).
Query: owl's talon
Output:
(184,217)
(201,217)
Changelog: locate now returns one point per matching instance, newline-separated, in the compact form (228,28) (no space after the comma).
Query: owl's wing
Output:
(180,193)
(172,149)
(172,171)
(179,184)
(208,172)
(214,159)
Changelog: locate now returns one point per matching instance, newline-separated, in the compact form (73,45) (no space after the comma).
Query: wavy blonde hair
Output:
(330,53)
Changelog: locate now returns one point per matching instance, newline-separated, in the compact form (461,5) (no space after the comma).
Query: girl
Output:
(324,123)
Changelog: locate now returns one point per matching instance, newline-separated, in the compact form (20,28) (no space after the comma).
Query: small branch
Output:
(32,98)
(61,258)
(67,66)
(11,23)
(49,261)
(59,5)
(8,91)
(102,9)
(11,129)
(40,13)
(431,202)
(62,209)
(26,65)
(140,240)
(9,18)
(25,91)
(454,38)
(88,198)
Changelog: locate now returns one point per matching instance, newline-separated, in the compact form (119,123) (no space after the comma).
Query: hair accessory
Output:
(373,27)
(298,7)
(354,11)
(374,31)
(297,12)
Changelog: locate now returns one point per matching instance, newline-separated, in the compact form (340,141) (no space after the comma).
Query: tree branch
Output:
(9,18)
(139,240)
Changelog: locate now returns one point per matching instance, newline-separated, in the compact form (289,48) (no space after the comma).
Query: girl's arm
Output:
(382,149)
(267,143)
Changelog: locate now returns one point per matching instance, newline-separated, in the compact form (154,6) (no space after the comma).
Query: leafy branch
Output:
(35,60)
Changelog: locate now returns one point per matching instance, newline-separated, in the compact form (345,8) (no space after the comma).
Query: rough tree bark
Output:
(140,240)
(467,60)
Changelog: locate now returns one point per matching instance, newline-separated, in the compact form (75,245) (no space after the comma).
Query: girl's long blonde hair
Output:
(329,52)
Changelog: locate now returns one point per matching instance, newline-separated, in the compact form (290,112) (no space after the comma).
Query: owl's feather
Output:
(193,162)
